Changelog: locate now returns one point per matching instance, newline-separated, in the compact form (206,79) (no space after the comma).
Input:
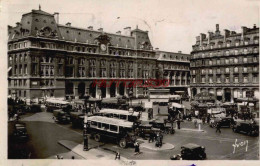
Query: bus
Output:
(53,104)
(101,127)
(121,114)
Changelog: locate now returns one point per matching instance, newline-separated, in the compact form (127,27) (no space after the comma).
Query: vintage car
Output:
(224,122)
(162,126)
(77,119)
(146,131)
(20,132)
(109,128)
(247,127)
(190,151)
(61,116)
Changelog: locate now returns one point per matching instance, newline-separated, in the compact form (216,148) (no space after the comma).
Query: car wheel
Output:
(97,137)
(122,143)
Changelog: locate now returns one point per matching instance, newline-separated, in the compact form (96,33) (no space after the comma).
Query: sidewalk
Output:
(94,153)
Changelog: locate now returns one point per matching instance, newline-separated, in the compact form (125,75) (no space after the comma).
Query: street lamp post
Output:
(85,135)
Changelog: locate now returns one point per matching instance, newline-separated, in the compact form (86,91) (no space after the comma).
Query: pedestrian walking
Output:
(117,155)
(195,123)
(179,124)
(137,148)
(218,128)
(208,118)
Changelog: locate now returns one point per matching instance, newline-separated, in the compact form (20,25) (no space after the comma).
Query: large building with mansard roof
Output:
(226,65)
(47,59)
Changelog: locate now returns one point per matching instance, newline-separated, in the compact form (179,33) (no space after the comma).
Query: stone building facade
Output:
(47,59)
(226,65)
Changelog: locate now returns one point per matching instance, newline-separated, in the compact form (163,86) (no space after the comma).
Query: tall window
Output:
(245,59)
(210,80)
(210,71)
(245,69)
(25,69)
(236,52)
(236,79)
(235,60)
(227,61)
(218,61)
(203,80)
(227,79)
(245,79)
(255,78)
(210,62)
(218,80)
(227,70)
(236,69)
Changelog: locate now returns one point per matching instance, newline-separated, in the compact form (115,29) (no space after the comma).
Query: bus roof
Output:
(116,111)
(112,121)
(55,101)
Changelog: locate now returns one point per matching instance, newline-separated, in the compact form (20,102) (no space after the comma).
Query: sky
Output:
(172,24)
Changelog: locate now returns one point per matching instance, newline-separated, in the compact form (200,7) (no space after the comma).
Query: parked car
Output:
(247,127)
(61,116)
(20,132)
(224,122)
(191,151)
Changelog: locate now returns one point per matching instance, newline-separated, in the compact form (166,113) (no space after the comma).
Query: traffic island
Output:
(189,129)
(93,153)
(151,146)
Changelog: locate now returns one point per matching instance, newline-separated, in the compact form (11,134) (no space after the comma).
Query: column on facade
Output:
(223,95)
(98,92)
(186,78)
(232,95)
(181,72)
(75,90)
(174,78)
(108,89)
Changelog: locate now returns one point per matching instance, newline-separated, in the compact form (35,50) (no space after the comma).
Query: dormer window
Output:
(79,33)
(90,35)
(228,43)
(36,20)
(28,22)
(67,31)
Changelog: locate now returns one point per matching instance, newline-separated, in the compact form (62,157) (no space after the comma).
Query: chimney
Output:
(90,27)
(127,31)
(157,49)
(244,31)
(217,32)
(56,16)
(217,27)
(226,34)
(68,24)
(233,33)
(179,52)
(18,24)
(202,37)
(9,27)
(100,29)
(210,36)
(118,32)
(254,26)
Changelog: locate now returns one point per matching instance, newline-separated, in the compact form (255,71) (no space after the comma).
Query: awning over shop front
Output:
(177,105)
